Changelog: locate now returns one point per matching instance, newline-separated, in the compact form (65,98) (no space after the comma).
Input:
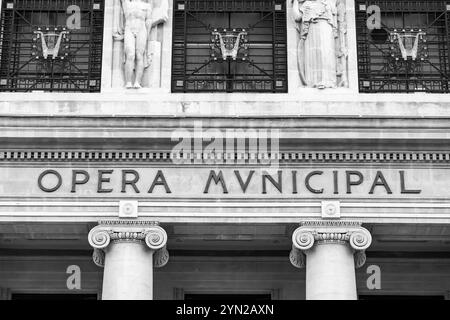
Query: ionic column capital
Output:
(330,231)
(148,233)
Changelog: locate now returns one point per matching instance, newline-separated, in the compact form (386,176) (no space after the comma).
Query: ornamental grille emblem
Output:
(229,43)
(410,45)
(229,46)
(49,44)
(407,50)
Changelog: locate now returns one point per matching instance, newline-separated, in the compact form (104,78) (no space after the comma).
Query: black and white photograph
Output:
(224,155)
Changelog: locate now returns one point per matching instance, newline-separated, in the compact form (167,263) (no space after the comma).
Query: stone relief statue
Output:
(322,47)
(133,24)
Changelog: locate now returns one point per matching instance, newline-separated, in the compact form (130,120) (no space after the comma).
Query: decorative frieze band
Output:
(148,233)
(120,156)
(325,231)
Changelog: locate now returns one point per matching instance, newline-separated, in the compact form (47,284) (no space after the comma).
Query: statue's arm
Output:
(296,12)
(119,17)
(148,19)
(342,23)
(161,14)
(125,5)
(342,49)
(341,12)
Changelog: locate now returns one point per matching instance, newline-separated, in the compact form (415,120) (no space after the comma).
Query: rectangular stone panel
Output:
(386,182)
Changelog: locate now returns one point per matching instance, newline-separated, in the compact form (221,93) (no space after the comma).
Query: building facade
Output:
(191,149)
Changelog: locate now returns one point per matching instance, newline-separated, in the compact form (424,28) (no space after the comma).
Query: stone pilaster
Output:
(128,250)
(330,250)
(5,294)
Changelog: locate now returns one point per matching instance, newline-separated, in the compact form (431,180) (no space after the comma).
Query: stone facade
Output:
(354,170)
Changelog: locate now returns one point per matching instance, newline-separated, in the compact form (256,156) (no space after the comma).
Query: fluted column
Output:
(128,251)
(330,250)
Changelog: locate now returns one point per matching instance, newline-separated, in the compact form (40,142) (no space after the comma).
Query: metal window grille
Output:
(45,47)
(409,52)
(229,46)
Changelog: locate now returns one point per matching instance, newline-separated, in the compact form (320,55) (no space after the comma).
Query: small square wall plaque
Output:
(331,209)
(128,209)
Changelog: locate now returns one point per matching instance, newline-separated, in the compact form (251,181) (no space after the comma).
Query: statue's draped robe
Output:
(317,46)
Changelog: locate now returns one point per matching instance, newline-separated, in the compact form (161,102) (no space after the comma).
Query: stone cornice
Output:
(148,233)
(318,232)
(62,156)
(105,129)
(304,101)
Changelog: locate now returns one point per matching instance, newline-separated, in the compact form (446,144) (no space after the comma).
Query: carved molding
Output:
(297,258)
(161,258)
(98,256)
(290,157)
(156,238)
(147,233)
(360,259)
(330,231)
(5,293)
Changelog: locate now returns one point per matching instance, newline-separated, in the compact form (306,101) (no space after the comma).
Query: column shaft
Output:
(330,272)
(128,272)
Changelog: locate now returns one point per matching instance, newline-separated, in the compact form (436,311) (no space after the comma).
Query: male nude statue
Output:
(138,23)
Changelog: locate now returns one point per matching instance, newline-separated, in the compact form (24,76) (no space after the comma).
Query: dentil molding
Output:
(164,156)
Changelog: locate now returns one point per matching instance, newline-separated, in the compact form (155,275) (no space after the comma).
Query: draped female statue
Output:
(322,49)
